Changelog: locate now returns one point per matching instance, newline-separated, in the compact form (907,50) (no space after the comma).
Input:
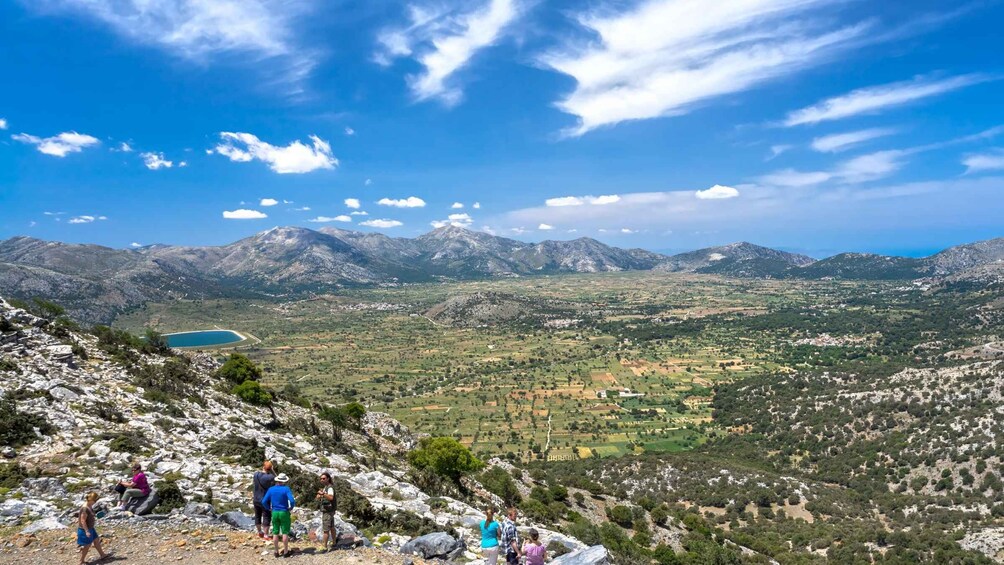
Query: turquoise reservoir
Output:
(205,338)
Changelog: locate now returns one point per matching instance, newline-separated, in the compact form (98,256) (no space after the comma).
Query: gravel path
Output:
(203,546)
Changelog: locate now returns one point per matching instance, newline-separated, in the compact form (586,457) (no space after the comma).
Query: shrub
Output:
(126,442)
(246,451)
(12,475)
(18,428)
(252,393)
(500,483)
(9,365)
(170,496)
(444,456)
(620,515)
(239,369)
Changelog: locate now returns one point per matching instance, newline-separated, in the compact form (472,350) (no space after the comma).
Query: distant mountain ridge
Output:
(97,282)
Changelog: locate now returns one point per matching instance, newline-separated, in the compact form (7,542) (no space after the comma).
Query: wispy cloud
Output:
(244,214)
(992,160)
(777,150)
(154,161)
(665,57)
(843,141)
(3,123)
(582,200)
(325,219)
(874,99)
(296,157)
(410,202)
(200,30)
(444,40)
(86,219)
(349,131)
(382,223)
(58,145)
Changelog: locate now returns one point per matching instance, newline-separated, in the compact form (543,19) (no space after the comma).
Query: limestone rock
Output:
(595,555)
(435,545)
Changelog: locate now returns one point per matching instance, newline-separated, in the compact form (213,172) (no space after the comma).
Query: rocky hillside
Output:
(76,410)
(737,259)
(484,309)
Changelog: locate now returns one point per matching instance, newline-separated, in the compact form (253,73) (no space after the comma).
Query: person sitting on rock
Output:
(490,537)
(279,501)
(137,487)
(86,534)
(534,551)
(326,495)
(260,483)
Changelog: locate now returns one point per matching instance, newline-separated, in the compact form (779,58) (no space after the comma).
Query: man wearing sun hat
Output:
(279,500)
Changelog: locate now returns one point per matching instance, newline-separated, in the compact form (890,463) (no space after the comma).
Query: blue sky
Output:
(812,125)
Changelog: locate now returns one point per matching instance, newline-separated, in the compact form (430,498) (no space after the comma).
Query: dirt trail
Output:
(163,546)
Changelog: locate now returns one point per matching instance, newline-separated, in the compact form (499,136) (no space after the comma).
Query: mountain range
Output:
(95,283)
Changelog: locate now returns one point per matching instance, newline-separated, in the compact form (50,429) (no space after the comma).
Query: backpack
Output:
(329,505)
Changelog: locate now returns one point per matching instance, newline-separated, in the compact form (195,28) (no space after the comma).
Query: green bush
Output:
(127,442)
(246,451)
(18,428)
(444,456)
(12,475)
(238,369)
(170,496)
(620,515)
(500,483)
(252,393)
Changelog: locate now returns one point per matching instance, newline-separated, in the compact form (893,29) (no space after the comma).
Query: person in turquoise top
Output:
(279,501)
(490,537)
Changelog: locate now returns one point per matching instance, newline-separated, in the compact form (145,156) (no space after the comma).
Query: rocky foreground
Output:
(94,419)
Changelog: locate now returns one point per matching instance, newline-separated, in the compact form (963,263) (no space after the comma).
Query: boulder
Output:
(64,394)
(42,525)
(143,506)
(46,486)
(13,507)
(595,555)
(238,519)
(197,509)
(435,545)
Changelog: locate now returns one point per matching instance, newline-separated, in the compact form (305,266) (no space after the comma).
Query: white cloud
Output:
(199,29)
(124,148)
(665,57)
(381,223)
(367,182)
(410,202)
(293,158)
(545,227)
(874,99)
(32,224)
(86,219)
(580,200)
(54,213)
(349,131)
(268,202)
(843,141)
(359,213)
(352,203)
(476,205)
(457,205)
(461,220)
(134,244)
(3,123)
(154,161)
(990,161)
(60,145)
(870,167)
(243,214)
(628,230)
(793,178)
(302,209)
(183,164)
(325,219)
(444,40)
(717,192)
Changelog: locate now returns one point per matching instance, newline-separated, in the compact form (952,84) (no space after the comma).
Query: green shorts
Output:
(281,522)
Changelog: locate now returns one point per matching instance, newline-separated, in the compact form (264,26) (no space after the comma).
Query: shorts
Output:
(327,521)
(86,537)
(281,522)
(511,558)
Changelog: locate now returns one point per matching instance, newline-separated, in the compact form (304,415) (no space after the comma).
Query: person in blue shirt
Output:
(279,501)
(490,537)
